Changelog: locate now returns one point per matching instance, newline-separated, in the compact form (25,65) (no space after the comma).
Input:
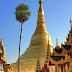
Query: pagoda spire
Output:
(40,12)
(38,67)
(41,18)
(71,23)
(40,2)
(1,41)
(69,38)
(56,42)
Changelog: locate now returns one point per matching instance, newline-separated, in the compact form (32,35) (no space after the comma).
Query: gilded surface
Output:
(37,47)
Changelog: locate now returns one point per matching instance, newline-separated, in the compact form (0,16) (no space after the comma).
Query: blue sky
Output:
(57,18)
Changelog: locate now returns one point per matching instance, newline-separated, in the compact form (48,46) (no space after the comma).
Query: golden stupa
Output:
(37,47)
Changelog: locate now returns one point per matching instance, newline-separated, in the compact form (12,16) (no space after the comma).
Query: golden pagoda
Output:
(4,66)
(37,47)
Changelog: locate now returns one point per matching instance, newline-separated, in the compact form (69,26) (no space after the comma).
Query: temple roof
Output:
(58,50)
(63,54)
(57,58)
(67,47)
(69,38)
(60,59)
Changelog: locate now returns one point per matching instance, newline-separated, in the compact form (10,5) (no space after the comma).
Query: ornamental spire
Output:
(38,67)
(56,42)
(71,22)
(1,41)
(40,12)
(40,2)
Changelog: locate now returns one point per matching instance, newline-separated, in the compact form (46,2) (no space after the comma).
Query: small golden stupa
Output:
(1,43)
(37,47)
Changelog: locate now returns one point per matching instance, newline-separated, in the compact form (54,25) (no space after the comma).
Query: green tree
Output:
(22,15)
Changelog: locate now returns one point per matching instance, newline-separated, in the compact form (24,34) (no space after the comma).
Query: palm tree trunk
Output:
(19,48)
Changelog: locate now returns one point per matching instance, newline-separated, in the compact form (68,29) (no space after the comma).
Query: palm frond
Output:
(22,13)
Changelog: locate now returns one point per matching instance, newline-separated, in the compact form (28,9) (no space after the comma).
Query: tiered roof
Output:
(64,53)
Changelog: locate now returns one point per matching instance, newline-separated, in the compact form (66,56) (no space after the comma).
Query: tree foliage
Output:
(22,13)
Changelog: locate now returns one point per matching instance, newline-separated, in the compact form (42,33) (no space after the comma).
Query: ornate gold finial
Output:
(57,46)
(1,41)
(40,12)
(40,2)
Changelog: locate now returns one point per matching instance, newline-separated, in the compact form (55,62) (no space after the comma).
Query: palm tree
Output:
(22,15)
